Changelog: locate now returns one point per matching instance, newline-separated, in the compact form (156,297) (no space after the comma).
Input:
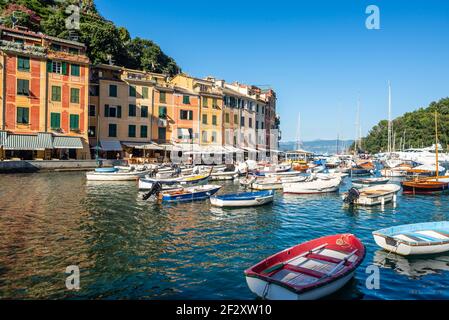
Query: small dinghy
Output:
(224,175)
(366,182)
(245,199)
(371,196)
(308,271)
(184,194)
(418,238)
(274,183)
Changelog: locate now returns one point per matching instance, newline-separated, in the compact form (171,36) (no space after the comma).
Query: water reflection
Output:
(414,267)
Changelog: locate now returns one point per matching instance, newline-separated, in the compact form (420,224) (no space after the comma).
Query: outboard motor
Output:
(352,196)
(155,189)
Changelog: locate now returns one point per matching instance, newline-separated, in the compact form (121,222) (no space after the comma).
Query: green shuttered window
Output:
(55,120)
(74,122)
(74,95)
(112,130)
(132,131)
(144,111)
(145,92)
(75,70)
(132,110)
(143,131)
(23,63)
(23,87)
(132,91)
(23,115)
(112,90)
(55,93)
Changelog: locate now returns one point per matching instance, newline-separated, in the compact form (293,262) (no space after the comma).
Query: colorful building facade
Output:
(44,96)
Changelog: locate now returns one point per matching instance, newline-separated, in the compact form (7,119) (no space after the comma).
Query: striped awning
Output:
(45,140)
(23,142)
(67,143)
(3,136)
(111,145)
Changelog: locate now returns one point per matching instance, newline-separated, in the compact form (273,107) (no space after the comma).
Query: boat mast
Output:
(389,118)
(298,133)
(436,144)
(357,128)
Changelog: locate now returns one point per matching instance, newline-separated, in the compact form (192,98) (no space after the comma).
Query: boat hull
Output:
(414,239)
(411,188)
(406,249)
(233,203)
(312,187)
(194,196)
(117,176)
(277,292)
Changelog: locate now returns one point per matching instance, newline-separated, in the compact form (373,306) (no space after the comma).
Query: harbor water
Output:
(127,248)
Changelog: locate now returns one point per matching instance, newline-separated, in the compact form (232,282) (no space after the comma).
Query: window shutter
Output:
(106,110)
(65,68)
(119,111)
(49,65)
(26,113)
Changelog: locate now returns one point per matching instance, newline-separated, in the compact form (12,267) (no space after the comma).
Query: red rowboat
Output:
(308,271)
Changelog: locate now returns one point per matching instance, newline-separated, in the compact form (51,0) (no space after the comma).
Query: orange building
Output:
(44,96)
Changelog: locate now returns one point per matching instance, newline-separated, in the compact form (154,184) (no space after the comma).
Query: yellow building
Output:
(122,115)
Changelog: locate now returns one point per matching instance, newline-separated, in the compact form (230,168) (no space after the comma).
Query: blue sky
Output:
(317,55)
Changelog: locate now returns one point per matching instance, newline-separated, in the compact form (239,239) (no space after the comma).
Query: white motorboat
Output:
(371,196)
(313,185)
(274,183)
(224,175)
(115,176)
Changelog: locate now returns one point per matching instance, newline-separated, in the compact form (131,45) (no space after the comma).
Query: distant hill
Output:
(103,39)
(318,146)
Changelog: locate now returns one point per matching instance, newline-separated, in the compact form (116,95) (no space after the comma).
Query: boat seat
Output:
(443,233)
(431,233)
(318,256)
(422,236)
(294,278)
(307,271)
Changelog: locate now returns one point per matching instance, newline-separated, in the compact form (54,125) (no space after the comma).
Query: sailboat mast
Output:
(298,132)
(436,144)
(389,118)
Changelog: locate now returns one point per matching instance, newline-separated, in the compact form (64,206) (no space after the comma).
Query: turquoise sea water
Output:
(127,248)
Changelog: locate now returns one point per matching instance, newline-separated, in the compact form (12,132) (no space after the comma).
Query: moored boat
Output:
(373,195)
(184,194)
(224,175)
(115,175)
(275,183)
(313,185)
(417,238)
(366,182)
(146,183)
(308,271)
(245,199)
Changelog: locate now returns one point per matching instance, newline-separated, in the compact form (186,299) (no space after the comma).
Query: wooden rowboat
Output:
(245,199)
(418,238)
(308,271)
(189,194)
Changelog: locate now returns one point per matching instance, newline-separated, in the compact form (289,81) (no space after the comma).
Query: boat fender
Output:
(352,195)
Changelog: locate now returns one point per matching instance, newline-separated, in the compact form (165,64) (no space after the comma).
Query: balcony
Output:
(21,48)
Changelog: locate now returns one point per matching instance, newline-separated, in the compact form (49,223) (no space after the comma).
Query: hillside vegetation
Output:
(102,38)
(414,129)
